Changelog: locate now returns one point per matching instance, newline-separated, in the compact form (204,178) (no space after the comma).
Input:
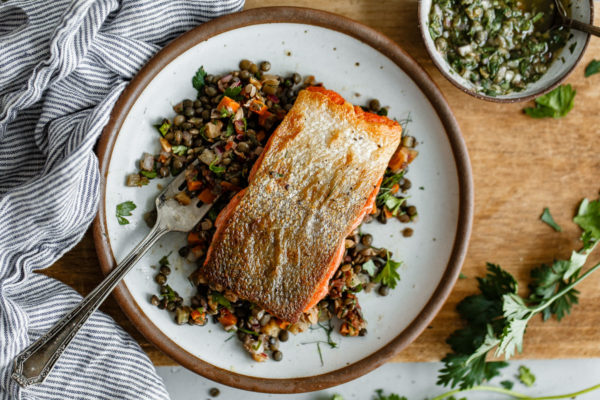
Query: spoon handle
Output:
(582,26)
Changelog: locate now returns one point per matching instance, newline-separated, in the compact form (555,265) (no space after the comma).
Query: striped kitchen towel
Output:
(63,64)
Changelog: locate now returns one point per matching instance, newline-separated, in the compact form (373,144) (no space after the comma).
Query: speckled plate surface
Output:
(360,64)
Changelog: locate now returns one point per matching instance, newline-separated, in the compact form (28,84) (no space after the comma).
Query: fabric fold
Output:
(60,75)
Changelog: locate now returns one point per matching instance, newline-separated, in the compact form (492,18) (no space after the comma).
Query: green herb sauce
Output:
(499,45)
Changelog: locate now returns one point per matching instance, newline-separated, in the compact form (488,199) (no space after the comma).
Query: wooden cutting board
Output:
(520,165)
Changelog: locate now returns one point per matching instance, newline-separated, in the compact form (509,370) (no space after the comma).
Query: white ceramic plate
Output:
(441,190)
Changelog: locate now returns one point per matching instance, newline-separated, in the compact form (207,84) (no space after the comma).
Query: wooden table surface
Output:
(520,165)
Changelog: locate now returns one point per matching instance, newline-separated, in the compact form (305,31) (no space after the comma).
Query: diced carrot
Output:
(198,317)
(227,318)
(282,324)
(401,158)
(344,329)
(228,104)
(229,145)
(257,107)
(207,196)
(194,238)
(388,213)
(194,185)
(230,186)
(395,189)
(166,146)
(263,117)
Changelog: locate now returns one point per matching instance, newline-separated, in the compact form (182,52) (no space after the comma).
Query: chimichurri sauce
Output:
(499,45)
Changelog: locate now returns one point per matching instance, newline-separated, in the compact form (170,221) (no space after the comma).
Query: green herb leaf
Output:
(588,217)
(337,396)
(179,150)
(525,376)
(163,128)
(508,385)
(555,104)
(164,261)
(462,276)
(124,210)
(170,295)
(217,169)
(370,267)
(391,396)
(388,275)
(233,93)
(149,174)
(198,79)
(592,68)
(393,203)
(229,131)
(220,299)
(547,218)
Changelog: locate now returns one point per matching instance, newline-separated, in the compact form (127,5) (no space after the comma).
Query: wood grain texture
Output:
(520,166)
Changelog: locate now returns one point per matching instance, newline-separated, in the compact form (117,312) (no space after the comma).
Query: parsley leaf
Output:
(592,68)
(217,169)
(525,376)
(391,396)
(124,210)
(220,299)
(337,397)
(555,104)
(198,79)
(229,131)
(547,218)
(233,93)
(508,385)
(388,275)
(149,174)
(170,295)
(588,217)
(164,261)
(179,150)
(370,268)
(164,127)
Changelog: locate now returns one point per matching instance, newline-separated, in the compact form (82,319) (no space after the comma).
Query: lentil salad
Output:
(226,129)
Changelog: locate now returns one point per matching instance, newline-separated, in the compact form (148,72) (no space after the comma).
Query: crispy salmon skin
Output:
(278,242)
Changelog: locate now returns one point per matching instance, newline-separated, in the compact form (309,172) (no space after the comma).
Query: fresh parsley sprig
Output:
(124,210)
(555,104)
(497,317)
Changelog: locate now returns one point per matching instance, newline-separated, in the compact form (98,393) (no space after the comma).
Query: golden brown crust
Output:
(275,246)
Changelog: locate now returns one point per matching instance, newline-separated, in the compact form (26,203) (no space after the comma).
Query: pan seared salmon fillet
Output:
(279,241)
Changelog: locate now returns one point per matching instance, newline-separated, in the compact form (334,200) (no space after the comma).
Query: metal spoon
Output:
(563,19)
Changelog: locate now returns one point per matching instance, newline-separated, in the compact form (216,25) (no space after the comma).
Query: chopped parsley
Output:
(179,150)
(124,210)
(388,275)
(555,104)
(525,376)
(217,169)
(508,385)
(233,93)
(149,174)
(391,396)
(547,218)
(198,79)
(592,68)
(163,128)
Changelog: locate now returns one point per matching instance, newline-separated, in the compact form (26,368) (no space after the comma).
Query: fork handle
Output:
(33,364)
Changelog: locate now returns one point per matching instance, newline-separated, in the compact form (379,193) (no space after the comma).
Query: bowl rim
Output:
(368,36)
(481,96)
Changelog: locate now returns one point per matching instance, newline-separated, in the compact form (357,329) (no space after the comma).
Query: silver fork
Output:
(563,19)
(34,363)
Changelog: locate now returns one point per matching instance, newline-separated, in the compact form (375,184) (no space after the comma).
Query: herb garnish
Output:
(220,299)
(179,150)
(198,79)
(508,385)
(233,93)
(592,68)
(547,218)
(124,210)
(149,174)
(164,261)
(497,318)
(163,128)
(525,376)
(555,104)
(388,275)
(217,169)
(370,268)
(170,294)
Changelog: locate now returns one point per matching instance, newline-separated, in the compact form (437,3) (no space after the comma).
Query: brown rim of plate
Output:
(425,84)
(496,99)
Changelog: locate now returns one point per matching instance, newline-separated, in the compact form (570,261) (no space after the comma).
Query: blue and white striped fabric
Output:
(63,64)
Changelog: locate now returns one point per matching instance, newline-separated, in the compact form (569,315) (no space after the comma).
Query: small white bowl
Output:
(582,10)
